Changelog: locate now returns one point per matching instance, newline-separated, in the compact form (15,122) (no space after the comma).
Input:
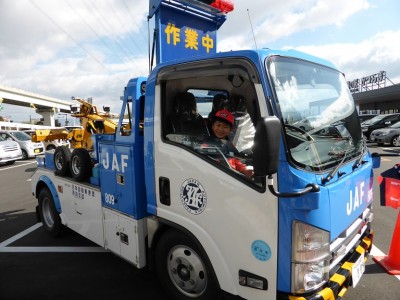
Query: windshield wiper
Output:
(302,131)
(336,169)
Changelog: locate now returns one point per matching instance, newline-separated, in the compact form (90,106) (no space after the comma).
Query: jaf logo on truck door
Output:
(193,196)
(118,165)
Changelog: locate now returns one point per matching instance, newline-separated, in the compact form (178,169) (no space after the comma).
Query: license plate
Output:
(37,150)
(357,270)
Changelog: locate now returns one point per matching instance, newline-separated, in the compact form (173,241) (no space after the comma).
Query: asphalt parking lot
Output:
(34,265)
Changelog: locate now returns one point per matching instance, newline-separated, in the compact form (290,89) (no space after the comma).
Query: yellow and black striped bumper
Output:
(339,282)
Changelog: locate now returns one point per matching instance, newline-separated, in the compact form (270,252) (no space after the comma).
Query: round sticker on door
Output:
(193,196)
(261,250)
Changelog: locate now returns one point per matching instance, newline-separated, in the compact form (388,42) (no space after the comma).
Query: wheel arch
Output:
(45,182)
(226,283)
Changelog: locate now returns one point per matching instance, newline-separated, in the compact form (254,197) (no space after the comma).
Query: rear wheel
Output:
(62,158)
(396,141)
(81,164)
(48,214)
(183,268)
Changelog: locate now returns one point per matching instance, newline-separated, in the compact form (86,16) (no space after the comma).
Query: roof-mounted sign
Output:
(186,28)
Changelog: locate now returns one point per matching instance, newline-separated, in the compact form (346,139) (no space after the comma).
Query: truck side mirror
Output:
(266,146)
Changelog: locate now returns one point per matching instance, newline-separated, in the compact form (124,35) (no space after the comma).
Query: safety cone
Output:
(391,262)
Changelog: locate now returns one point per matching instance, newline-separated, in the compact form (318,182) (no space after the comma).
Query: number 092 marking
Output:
(109,198)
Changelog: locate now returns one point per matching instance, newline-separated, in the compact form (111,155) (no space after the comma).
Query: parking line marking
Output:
(375,251)
(51,249)
(19,235)
(17,166)
(4,248)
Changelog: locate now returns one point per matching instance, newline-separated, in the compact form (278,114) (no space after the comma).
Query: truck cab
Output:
(302,234)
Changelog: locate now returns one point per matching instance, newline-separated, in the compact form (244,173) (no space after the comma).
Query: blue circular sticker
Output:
(261,250)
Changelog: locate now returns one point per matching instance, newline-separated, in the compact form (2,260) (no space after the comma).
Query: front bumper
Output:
(339,282)
(35,152)
(380,139)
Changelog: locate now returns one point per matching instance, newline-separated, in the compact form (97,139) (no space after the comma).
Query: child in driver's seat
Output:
(222,125)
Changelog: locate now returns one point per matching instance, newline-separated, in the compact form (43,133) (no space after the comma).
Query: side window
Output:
(215,126)
(126,128)
(184,117)
(211,113)
(391,119)
(205,99)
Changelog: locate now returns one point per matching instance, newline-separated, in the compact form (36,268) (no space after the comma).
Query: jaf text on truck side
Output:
(159,196)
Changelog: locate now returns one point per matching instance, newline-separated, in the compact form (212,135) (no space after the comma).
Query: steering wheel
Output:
(224,159)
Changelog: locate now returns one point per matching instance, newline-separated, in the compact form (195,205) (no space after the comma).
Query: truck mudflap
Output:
(339,282)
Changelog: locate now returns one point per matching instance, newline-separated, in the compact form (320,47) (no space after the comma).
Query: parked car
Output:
(380,121)
(366,117)
(28,148)
(307,123)
(10,151)
(51,144)
(389,135)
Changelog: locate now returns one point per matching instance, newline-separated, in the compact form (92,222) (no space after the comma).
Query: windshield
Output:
(374,120)
(21,136)
(322,128)
(396,125)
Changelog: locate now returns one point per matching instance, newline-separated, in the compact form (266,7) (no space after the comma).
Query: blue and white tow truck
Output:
(153,194)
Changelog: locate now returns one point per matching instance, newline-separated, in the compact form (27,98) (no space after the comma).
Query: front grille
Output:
(349,238)
(9,148)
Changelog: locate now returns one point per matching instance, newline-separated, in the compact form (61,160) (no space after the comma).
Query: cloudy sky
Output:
(91,48)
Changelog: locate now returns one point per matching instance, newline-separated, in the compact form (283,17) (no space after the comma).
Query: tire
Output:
(24,154)
(11,162)
(81,164)
(48,214)
(62,158)
(184,269)
(396,141)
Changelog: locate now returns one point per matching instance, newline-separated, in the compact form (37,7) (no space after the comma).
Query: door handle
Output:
(165,196)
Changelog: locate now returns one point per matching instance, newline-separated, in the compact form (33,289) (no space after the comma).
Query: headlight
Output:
(310,257)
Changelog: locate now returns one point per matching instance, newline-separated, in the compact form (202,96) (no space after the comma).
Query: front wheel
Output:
(396,141)
(183,268)
(24,154)
(48,214)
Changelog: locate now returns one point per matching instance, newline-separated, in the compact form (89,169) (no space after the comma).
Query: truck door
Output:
(231,215)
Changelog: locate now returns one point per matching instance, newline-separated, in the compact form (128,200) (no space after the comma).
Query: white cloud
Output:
(91,48)
(273,20)
(381,52)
